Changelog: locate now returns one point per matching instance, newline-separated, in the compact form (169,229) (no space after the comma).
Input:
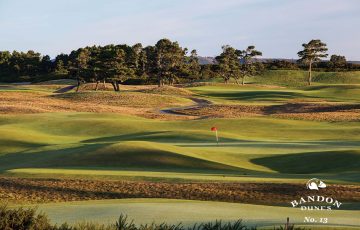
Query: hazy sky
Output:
(276,27)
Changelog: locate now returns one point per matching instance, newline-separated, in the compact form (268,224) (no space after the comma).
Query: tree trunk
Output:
(236,81)
(160,82)
(113,83)
(243,80)
(97,85)
(104,83)
(117,86)
(78,85)
(310,77)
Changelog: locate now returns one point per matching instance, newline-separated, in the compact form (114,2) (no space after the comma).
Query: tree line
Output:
(166,62)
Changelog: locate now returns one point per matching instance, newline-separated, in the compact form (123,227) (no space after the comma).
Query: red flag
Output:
(213,129)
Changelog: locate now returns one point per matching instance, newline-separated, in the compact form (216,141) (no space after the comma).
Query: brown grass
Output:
(224,111)
(128,99)
(146,101)
(140,104)
(168,90)
(304,111)
(109,87)
(56,190)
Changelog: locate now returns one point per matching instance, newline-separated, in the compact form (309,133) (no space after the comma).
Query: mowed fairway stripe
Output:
(153,175)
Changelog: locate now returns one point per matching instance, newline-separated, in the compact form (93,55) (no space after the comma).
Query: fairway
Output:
(187,212)
(113,142)
(258,94)
(75,154)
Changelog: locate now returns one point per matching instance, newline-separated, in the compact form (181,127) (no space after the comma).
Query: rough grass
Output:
(42,190)
(130,103)
(169,90)
(124,99)
(304,111)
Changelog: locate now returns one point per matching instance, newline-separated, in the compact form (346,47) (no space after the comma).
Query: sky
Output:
(275,27)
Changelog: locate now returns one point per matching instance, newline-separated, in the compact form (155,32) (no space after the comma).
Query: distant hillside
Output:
(211,60)
(206,60)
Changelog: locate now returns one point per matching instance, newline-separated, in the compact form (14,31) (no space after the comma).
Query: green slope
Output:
(313,162)
(235,94)
(86,141)
(299,77)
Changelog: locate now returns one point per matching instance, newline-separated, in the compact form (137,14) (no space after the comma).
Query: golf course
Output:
(180,115)
(62,150)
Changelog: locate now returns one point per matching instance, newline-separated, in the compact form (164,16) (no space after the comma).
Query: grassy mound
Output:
(299,77)
(169,90)
(128,155)
(335,92)
(130,99)
(58,82)
(313,162)
(262,95)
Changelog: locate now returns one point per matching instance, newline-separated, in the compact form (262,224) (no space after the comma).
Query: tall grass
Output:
(28,219)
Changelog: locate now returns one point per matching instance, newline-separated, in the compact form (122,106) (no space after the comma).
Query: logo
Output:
(315,184)
(315,201)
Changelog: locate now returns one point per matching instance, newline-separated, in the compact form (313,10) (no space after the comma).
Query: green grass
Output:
(331,161)
(235,94)
(188,212)
(299,77)
(250,148)
(86,141)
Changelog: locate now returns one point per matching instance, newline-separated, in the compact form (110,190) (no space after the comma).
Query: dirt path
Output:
(65,89)
(199,103)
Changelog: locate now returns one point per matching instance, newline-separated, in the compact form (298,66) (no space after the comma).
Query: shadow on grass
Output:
(256,95)
(157,136)
(338,87)
(126,137)
(114,157)
(313,162)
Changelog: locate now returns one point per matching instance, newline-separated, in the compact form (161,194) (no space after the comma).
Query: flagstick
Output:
(217,138)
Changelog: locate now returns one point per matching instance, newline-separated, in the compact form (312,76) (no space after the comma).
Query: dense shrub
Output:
(22,219)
